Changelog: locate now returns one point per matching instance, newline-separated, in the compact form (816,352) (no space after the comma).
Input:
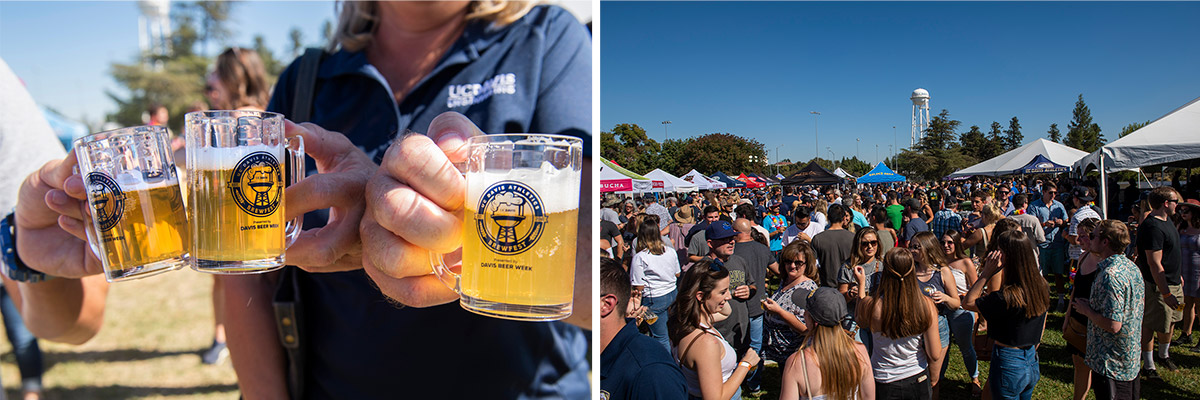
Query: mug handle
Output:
(448,277)
(295,173)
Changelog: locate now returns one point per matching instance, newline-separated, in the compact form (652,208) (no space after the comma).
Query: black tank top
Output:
(1083,290)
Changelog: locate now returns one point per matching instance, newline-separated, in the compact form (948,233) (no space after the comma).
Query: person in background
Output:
(883,227)
(895,211)
(856,208)
(936,281)
(1052,254)
(913,223)
(829,364)
(653,207)
(759,260)
(631,365)
(820,213)
(696,240)
(653,271)
(722,239)
(158,115)
(707,360)
(802,227)
(1075,323)
(834,245)
(962,321)
(1016,315)
(1159,259)
(784,322)
(1002,200)
(946,218)
(1081,199)
(1114,317)
(1029,223)
(776,225)
(26,142)
(1189,245)
(904,329)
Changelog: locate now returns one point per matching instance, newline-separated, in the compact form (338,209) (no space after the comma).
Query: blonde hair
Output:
(840,364)
(357,19)
(243,77)
(990,214)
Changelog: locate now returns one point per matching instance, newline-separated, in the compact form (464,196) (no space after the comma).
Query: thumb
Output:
(450,130)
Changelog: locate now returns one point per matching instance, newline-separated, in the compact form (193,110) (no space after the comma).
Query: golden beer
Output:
(236,201)
(151,228)
(543,275)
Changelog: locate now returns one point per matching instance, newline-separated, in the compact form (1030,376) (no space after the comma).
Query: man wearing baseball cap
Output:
(736,329)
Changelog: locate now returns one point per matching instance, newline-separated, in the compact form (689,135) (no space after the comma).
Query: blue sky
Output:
(758,69)
(63,50)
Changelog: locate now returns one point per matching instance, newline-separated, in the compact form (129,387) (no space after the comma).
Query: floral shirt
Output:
(781,340)
(1117,294)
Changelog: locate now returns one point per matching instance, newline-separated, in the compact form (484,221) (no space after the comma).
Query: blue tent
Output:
(881,174)
(1042,165)
(66,129)
(729,182)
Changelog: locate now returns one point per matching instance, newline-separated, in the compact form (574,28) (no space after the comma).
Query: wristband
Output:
(1167,295)
(744,364)
(12,266)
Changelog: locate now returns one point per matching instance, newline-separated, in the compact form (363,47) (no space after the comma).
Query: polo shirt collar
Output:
(617,346)
(477,37)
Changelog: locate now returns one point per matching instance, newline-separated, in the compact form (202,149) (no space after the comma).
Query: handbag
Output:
(982,342)
(1075,334)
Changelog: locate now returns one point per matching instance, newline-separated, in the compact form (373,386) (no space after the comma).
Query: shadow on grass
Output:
(118,355)
(125,392)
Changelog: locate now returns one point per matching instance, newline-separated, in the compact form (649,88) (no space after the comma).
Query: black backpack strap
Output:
(306,83)
(287,302)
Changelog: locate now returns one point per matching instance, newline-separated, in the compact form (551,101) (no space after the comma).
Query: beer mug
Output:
(135,223)
(519,227)
(237,162)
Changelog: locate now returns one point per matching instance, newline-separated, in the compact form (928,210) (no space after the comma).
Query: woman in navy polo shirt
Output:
(500,67)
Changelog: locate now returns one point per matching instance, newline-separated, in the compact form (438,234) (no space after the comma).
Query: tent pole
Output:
(1103,189)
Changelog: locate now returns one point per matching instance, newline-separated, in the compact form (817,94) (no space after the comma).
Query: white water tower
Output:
(920,114)
(154,27)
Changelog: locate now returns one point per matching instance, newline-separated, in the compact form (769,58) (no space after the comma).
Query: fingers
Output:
(73,226)
(450,130)
(417,291)
(390,254)
(321,191)
(404,212)
(61,203)
(324,146)
(417,161)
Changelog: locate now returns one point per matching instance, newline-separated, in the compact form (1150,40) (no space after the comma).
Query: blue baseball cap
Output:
(719,230)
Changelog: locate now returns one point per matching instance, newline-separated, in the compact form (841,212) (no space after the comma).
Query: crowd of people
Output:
(857,291)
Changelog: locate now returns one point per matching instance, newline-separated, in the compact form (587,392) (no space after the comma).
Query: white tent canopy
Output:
(701,181)
(1172,138)
(613,181)
(670,182)
(1014,159)
(841,173)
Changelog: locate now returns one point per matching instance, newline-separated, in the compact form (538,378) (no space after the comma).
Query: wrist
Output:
(13,267)
(745,364)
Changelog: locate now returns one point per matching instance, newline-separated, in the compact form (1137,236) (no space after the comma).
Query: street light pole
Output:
(664,124)
(777,159)
(816,138)
(876,153)
(857,141)
(893,139)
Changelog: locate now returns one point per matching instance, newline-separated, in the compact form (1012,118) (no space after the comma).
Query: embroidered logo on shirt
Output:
(475,93)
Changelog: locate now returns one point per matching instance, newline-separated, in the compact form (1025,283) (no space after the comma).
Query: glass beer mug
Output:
(237,162)
(136,223)
(519,227)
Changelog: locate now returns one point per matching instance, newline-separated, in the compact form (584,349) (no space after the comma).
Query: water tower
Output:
(154,28)
(920,114)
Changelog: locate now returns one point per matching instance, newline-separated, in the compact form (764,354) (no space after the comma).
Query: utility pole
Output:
(857,141)
(816,139)
(664,124)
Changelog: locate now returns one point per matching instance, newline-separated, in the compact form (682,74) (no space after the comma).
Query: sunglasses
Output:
(209,88)
(947,242)
(1173,201)
(796,262)
(870,243)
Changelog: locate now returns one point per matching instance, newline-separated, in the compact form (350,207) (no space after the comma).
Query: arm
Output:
(1154,260)
(866,383)
(791,319)
(61,310)
(258,358)
(933,340)
(973,239)
(950,297)
(774,268)
(789,388)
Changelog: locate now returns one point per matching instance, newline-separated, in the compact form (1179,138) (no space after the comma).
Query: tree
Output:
(326,32)
(633,150)
(974,143)
(940,134)
(723,152)
(272,66)
(214,19)
(1054,135)
(995,143)
(1133,127)
(1082,133)
(854,166)
(1012,136)
(297,38)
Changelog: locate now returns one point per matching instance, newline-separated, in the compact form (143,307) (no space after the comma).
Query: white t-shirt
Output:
(655,272)
(793,232)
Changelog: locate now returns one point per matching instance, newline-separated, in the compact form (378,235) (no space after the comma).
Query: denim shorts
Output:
(944,330)
(1014,372)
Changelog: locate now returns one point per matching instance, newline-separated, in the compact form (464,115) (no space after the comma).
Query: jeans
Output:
(658,306)
(756,341)
(962,326)
(25,345)
(1014,372)
(916,387)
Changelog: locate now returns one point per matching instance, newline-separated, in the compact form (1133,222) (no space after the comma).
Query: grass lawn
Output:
(154,329)
(1057,372)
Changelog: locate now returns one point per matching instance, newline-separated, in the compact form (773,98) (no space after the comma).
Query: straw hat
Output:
(684,215)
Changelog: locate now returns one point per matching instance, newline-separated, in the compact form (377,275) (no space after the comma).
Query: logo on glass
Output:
(254,184)
(511,218)
(108,202)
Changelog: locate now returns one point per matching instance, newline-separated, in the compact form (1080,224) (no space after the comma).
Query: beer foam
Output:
(226,158)
(547,182)
(133,181)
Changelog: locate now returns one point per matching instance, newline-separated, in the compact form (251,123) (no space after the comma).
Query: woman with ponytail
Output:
(704,356)
(830,365)
(904,329)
